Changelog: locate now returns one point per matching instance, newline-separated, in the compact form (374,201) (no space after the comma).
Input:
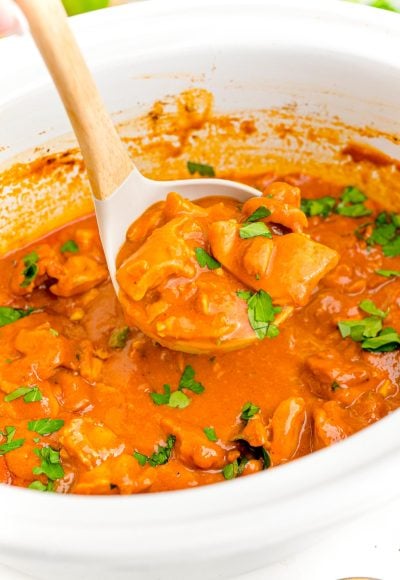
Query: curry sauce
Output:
(90,405)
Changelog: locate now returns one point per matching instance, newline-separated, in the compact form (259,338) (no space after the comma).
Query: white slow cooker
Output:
(333,60)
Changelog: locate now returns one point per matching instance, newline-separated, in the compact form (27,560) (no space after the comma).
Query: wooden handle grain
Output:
(107,161)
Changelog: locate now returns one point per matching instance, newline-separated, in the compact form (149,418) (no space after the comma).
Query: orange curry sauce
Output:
(308,387)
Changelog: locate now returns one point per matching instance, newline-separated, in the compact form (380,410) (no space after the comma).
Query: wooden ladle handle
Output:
(106,158)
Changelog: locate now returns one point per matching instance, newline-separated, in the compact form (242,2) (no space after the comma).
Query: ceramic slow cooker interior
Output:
(335,63)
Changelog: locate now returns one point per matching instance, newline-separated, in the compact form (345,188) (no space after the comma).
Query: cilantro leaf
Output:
(178,400)
(50,463)
(119,337)
(260,312)
(11,445)
(210,433)
(31,394)
(9,315)
(254,230)
(387,341)
(31,269)
(205,259)
(369,307)
(392,249)
(388,273)
(159,457)
(142,459)
(200,168)
(260,213)
(248,411)
(266,458)
(187,381)
(322,206)
(234,469)
(45,426)
(352,203)
(360,329)
(162,398)
(70,246)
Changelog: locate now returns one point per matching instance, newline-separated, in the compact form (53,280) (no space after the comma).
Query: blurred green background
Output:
(77,6)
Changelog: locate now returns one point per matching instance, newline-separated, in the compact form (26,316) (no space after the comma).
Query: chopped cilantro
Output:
(9,315)
(254,230)
(54,332)
(386,341)
(266,458)
(335,386)
(369,330)
(6,447)
(261,313)
(11,443)
(45,426)
(119,337)
(392,249)
(205,259)
(200,168)
(159,457)
(352,203)
(322,206)
(369,307)
(178,400)
(142,459)
(70,246)
(31,394)
(50,463)
(31,269)
(39,486)
(385,233)
(248,411)
(210,433)
(162,398)
(388,273)
(260,213)
(187,381)
(234,469)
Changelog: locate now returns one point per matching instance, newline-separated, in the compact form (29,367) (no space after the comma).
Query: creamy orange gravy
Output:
(103,393)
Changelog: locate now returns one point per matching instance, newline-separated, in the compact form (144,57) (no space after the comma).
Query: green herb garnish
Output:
(352,203)
(11,444)
(200,168)
(322,206)
(50,463)
(235,468)
(70,246)
(119,337)
(159,457)
(369,307)
(45,426)
(261,313)
(248,411)
(205,259)
(369,332)
(260,213)
(187,381)
(388,273)
(210,433)
(30,394)
(9,315)
(162,398)
(31,269)
(384,4)
(178,399)
(254,230)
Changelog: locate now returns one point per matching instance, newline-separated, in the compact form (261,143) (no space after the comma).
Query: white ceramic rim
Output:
(312,481)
